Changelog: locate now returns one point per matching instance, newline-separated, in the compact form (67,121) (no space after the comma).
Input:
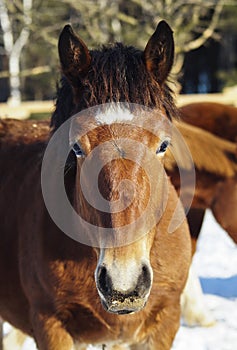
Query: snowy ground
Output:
(216,264)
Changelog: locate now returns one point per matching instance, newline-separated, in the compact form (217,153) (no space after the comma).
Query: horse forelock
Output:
(117,74)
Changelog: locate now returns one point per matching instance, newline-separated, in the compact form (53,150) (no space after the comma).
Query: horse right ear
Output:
(74,55)
(159,52)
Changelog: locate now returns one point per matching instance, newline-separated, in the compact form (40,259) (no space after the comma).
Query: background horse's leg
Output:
(1,334)
(195,218)
(14,340)
(194,310)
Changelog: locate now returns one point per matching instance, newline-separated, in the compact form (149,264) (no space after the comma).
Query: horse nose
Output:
(109,286)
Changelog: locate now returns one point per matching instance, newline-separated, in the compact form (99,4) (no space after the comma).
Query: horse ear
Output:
(159,52)
(74,55)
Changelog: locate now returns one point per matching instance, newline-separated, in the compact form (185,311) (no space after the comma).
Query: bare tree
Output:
(99,21)
(13,46)
(193,21)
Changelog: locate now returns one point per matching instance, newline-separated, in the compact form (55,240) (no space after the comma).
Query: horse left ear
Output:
(74,55)
(159,52)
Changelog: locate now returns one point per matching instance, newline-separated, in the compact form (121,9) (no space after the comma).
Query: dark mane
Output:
(117,74)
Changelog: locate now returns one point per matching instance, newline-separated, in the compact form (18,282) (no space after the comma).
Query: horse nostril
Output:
(144,281)
(104,281)
(146,273)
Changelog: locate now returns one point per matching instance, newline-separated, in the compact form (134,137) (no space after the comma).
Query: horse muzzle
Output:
(122,305)
(118,300)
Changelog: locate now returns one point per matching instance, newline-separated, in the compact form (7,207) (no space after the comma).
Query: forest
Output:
(205,34)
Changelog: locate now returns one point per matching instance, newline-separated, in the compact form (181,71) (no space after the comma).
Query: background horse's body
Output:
(220,120)
(215,165)
(217,118)
(216,185)
(56,289)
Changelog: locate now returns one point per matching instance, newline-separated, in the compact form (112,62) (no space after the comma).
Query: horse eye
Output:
(77,150)
(163,147)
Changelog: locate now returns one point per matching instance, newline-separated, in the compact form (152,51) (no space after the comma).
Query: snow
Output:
(215,262)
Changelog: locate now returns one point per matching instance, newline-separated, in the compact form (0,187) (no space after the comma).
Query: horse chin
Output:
(123,308)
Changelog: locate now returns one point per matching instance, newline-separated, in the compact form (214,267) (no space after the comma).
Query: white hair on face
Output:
(115,113)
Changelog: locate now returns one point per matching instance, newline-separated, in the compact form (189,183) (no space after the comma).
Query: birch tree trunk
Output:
(14,48)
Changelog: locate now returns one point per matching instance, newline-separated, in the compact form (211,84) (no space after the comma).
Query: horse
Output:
(217,118)
(17,132)
(215,161)
(121,289)
(221,120)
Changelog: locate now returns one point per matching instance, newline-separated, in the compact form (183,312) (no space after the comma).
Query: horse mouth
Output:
(123,308)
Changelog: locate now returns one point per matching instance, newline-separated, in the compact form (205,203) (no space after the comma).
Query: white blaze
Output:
(113,114)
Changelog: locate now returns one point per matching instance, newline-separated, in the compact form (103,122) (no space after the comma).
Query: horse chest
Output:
(88,323)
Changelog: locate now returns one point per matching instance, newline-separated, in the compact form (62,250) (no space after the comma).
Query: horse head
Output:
(118,147)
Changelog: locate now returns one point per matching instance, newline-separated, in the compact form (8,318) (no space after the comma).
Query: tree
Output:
(193,21)
(228,61)
(36,24)
(13,46)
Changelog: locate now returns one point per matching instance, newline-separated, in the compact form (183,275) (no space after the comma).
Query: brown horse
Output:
(217,118)
(220,120)
(215,162)
(124,291)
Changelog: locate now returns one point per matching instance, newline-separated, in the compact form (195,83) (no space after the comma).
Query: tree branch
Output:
(208,32)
